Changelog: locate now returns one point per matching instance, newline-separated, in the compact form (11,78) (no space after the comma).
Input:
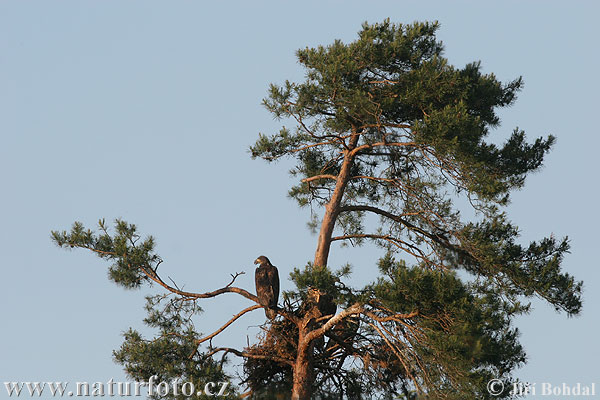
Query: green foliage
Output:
(320,278)
(468,324)
(172,356)
(125,250)
(395,75)
(420,127)
(522,271)
(325,280)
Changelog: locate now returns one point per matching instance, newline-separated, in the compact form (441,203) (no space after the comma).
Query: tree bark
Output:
(332,208)
(303,377)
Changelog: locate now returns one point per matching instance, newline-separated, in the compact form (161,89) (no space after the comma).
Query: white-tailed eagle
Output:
(266,278)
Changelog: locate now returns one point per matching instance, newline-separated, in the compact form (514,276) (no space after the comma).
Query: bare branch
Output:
(317,177)
(153,275)
(308,146)
(436,238)
(231,321)
(234,277)
(354,309)
(415,252)
(245,354)
(227,289)
(398,354)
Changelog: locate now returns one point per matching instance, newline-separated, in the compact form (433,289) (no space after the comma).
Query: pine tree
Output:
(391,141)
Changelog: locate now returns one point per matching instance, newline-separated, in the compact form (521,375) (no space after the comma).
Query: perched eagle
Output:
(267,285)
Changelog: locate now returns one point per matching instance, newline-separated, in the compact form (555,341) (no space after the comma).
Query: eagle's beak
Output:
(257,261)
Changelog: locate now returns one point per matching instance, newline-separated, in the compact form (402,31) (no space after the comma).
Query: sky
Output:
(144,110)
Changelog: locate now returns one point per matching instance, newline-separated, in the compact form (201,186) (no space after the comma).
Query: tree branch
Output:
(436,238)
(245,354)
(393,240)
(354,309)
(308,146)
(231,321)
(394,317)
(316,177)
(227,289)
(396,351)
(153,275)
(378,144)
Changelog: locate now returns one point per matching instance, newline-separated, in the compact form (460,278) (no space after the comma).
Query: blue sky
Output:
(145,111)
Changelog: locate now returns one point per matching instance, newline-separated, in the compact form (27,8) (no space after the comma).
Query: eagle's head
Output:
(262,260)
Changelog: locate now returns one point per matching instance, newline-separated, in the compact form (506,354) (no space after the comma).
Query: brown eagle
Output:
(266,278)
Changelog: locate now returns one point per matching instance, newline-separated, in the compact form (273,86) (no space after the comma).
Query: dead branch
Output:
(398,354)
(227,289)
(245,354)
(231,321)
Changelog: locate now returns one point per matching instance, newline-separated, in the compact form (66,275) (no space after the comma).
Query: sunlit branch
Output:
(317,177)
(379,144)
(396,351)
(227,289)
(384,81)
(231,321)
(354,309)
(394,317)
(245,354)
(308,146)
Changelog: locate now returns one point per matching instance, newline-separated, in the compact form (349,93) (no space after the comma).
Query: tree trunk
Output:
(303,377)
(333,207)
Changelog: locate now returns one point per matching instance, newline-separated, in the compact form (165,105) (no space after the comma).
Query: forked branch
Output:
(227,289)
